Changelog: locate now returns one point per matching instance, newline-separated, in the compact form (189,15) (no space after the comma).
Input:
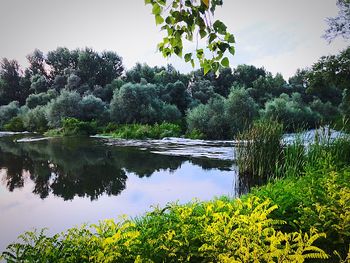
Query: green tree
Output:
(339,25)
(240,110)
(64,106)
(10,76)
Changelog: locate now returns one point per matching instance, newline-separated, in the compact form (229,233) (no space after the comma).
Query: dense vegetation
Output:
(95,89)
(304,216)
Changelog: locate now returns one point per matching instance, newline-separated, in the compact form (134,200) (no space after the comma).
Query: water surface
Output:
(59,183)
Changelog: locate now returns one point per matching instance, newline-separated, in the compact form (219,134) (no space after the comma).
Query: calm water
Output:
(63,182)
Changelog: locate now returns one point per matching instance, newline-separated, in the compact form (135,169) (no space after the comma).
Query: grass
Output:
(143,131)
(261,151)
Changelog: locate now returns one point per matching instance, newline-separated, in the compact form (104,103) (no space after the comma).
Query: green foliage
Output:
(195,135)
(345,105)
(329,77)
(15,124)
(241,110)
(72,126)
(35,119)
(291,112)
(138,131)
(138,103)
(216,231)
(7,112)
(209,119)
(66,105)
(222,118)
(185,20)
(319,199)
(260,150)
(92,108)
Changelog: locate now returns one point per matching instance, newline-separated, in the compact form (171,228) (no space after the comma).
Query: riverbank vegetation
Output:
(95,88)
(302,214)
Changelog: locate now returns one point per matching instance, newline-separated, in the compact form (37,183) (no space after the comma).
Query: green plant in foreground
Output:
(216,231)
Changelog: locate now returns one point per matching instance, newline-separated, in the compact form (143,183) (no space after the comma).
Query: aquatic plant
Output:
(260,150)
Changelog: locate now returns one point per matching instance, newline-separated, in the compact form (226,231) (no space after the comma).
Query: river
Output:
(59,183)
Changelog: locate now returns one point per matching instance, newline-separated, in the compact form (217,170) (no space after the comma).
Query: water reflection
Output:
(84,167)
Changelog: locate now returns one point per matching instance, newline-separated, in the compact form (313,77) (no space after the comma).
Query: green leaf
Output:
(229,38)
(159,19)
(202,33)
(219,27)
(156,10)
(232,50)
(200,53)
(212,37)
(206,68)
(188,57)
(225,62)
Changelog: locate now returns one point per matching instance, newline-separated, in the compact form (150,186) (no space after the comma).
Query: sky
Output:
(280,35)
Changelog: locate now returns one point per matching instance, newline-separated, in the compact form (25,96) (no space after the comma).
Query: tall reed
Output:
(261,155)
(260,150)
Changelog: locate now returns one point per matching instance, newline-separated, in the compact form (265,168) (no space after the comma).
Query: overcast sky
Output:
(281,35)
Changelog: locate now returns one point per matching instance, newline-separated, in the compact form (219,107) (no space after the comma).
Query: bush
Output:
(66,105)
(92,108)
(209,119)
(7,112)
(138,103)
(15,124)
(40,99)
(240,110)
(72,126)
(139,131)
(291,112)
(36,120)
(216,231)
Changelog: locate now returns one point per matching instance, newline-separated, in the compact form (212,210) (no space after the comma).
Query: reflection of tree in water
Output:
(62,167)
(14,170)
(208,164)
(69,167)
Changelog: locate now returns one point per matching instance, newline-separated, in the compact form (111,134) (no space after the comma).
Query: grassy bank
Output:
(75,127)
(303,216)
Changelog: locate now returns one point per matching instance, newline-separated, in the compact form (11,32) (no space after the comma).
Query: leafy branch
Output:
(186,19)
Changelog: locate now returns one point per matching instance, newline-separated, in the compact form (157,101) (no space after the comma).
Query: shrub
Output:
(7,112)
(138,103)
(36,120)
(209,119)
(72,126)
(216,231)
(66,105)
(240,110)
(41,99)
(15,124)
(92,108)
(139,131)
(291,112)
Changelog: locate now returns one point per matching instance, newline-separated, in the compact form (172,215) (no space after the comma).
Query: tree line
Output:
(93,86)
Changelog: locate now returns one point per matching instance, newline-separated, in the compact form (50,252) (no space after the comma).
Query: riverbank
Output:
(302,216)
